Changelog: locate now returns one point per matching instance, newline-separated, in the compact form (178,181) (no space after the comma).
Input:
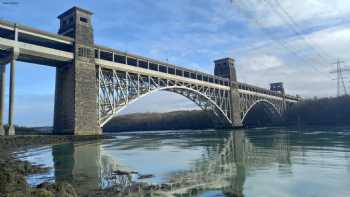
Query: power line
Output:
(241,5)
(316,47)
(290,22)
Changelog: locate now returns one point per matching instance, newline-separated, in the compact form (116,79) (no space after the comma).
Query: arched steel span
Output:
(200,99)
(272,107)
(119,88)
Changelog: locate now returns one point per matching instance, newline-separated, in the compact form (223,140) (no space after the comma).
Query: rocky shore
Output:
(13,172)
(13,182)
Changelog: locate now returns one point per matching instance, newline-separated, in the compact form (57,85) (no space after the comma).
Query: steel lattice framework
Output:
(275,107)
(119,88)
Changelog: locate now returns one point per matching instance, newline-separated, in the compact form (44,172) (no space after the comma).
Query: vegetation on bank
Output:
(310,112)
(175,120)
(320,112)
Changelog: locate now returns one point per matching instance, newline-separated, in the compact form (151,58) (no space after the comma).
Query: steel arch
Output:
(116,89)
(274,107)
(174,90)
(119,87)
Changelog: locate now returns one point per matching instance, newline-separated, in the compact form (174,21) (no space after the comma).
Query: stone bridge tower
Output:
(76,92)
(226,68)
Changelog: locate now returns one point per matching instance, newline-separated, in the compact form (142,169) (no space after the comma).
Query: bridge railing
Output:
(116,56)
(252,88)
(147,63)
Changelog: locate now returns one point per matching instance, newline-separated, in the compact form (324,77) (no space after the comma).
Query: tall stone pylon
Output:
(226,68)
(76,92)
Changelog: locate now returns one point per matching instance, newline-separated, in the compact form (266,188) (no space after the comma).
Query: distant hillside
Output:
(176,120)
(31,130)
(318,112)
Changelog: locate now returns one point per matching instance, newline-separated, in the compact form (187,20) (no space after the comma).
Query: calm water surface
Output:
(253,162)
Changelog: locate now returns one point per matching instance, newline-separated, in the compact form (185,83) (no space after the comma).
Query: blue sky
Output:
(193,33)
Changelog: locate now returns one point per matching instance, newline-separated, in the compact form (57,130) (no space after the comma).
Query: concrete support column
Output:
(226,68)
(235,105)
(11,129)
(2,97)
(76,93)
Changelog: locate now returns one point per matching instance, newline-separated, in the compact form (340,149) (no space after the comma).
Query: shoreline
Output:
(10,143)
(13,171)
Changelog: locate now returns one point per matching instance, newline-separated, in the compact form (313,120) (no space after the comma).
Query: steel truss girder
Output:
(116,89)
(276,107)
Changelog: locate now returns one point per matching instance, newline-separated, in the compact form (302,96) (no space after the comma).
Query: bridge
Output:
(93,82)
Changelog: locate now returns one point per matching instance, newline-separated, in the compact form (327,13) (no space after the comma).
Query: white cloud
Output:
(311,12)
(302,63)
(259,62)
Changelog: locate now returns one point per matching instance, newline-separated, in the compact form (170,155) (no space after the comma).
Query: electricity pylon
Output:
(340,77)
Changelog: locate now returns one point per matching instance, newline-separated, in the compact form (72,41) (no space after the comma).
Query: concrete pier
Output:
(11,129)
(76,92)
(2,97)
(226,68)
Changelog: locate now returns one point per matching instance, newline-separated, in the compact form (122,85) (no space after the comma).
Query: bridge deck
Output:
(116,59)
(35,46)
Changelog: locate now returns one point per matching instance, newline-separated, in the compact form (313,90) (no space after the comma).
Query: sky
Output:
(293,41)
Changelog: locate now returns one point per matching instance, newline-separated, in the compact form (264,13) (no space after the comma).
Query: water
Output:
(253,162)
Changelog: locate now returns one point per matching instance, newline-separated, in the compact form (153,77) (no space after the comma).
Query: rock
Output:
(12,171)
(43,185)
(135,188)
(42,193)
(62,189)
(165,187)
(146,176)
(119,172)
(151,187)
(11,181)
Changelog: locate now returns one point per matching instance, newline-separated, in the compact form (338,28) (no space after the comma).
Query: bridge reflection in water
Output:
(84,165)
(223,165)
